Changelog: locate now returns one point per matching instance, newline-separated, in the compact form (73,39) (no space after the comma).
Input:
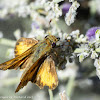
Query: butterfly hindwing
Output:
(47,75)
(29,73)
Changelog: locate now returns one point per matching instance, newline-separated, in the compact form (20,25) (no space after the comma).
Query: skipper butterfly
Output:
(34,57)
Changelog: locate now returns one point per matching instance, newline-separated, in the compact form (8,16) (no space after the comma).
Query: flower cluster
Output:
(70,16)
(53,7)
(90,46)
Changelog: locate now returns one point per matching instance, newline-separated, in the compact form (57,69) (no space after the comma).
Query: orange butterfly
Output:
(34,57)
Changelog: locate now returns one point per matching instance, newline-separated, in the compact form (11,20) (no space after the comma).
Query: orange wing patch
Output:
(24,44)
(47,76)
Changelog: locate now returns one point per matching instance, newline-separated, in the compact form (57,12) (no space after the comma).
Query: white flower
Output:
(50,16)
(97,34)
(82,56)
(94,54)
(34,15)
(23,11)
(37,33)
(81,38)
(97,65)
(85,47)
(57,10)
(53,10)
(65,35)
(70,16)
(75,33)
(48,5)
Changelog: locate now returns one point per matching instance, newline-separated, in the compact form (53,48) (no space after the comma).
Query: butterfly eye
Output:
(53,45)
(46,36)
(58,38)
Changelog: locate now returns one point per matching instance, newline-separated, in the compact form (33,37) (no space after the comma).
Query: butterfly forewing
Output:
(21,55)
(24,44)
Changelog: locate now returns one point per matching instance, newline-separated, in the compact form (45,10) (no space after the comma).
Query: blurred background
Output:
(27,18)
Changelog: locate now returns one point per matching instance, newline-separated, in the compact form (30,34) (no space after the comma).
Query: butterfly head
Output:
(52,40)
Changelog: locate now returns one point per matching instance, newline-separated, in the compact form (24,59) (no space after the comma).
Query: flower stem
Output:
(50,94)
(70,86)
